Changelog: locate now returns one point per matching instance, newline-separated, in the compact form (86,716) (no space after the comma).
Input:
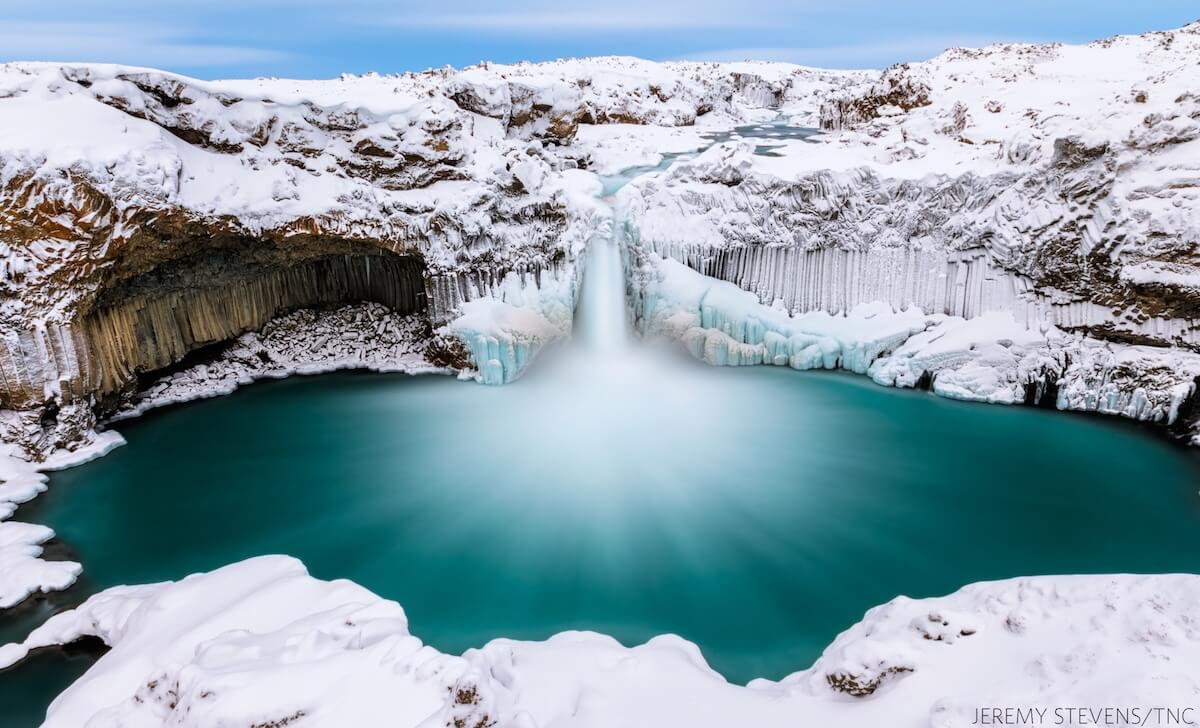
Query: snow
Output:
(1163,273)
(614,148)
(261,641)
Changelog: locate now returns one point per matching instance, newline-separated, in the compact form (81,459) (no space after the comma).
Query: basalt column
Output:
(152,321)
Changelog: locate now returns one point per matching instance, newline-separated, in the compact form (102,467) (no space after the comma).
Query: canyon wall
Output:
(145,216)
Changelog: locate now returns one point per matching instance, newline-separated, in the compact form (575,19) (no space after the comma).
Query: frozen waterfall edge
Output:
(990,358)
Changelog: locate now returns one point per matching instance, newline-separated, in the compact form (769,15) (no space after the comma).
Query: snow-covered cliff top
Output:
(462,166)
(431,161)
(989,109)
(1065,178)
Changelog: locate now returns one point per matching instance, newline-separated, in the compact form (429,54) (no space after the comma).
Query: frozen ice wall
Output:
(505,329)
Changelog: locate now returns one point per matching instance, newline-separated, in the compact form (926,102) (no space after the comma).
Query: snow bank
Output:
(366,336)
(613,148)
(262,643)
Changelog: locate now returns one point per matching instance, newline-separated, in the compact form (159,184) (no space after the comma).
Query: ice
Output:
(504,330)
(726,326)
(991,357)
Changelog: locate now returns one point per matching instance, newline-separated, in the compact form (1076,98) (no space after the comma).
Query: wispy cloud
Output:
(614,19)
(860,55)
(129,43)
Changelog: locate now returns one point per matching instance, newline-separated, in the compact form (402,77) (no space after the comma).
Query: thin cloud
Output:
(132,44)
(608,20)
(854,55)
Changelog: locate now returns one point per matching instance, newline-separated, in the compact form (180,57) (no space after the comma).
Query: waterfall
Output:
(601,320)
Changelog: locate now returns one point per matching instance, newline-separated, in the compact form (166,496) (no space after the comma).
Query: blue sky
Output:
(301,38)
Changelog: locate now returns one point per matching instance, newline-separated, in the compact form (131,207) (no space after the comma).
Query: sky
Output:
(308,39)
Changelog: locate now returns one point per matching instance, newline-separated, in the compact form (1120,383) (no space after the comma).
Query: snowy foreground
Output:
(262,643)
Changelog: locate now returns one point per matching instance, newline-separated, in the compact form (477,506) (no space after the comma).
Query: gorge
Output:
(1005,225)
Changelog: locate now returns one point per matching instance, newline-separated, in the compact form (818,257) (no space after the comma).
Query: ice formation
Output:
(504,330)
(261,642)
(988,358)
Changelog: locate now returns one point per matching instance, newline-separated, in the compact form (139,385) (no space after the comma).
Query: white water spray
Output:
(601,320)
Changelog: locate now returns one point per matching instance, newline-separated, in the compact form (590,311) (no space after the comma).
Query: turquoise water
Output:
(757,512)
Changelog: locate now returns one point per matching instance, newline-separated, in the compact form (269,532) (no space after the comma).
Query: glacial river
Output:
(756,512)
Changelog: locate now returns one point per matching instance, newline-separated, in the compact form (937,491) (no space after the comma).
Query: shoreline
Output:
(906,661)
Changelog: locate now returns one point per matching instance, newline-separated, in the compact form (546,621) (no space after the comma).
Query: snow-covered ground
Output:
(364,336)
(262,643)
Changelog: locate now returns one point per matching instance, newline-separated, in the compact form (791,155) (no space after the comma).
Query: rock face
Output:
(145,217)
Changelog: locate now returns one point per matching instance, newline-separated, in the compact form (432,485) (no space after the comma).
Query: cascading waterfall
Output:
(601,331)
(601,320)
